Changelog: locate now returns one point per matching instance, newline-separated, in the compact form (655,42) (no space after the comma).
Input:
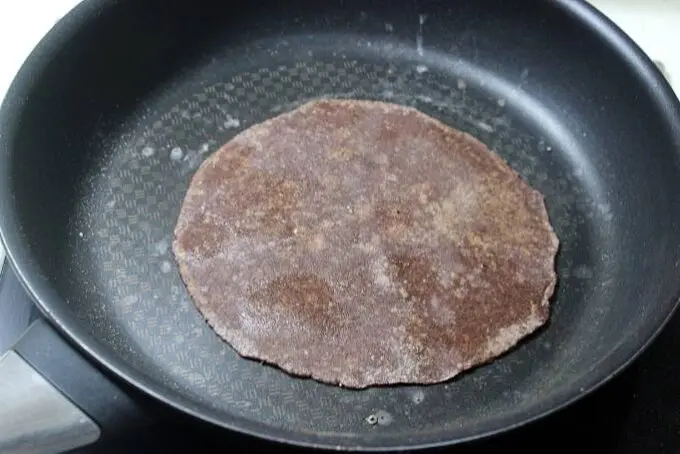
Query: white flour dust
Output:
(176,154)
(231,122)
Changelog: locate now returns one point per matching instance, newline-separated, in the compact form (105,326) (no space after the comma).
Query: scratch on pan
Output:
(486,127)
(419,37)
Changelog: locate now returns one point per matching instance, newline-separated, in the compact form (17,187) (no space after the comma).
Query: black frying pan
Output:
(90,189)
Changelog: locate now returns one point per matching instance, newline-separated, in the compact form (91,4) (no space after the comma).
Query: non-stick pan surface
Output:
(121,102)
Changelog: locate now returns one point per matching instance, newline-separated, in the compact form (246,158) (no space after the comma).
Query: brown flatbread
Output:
(364,243)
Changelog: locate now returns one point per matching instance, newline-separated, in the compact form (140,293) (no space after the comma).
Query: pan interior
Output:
(558,122)
(131,203)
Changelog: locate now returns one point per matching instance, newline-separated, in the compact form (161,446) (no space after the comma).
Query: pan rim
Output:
(52,306)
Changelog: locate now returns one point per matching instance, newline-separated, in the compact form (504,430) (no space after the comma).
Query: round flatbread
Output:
(364,243)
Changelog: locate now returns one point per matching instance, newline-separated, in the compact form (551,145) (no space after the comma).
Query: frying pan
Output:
(90,190)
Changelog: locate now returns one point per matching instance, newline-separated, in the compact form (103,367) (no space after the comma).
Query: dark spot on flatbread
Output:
(268,204)
(305,297)
(416,275)
(394,218)
(205,237)
(365,243)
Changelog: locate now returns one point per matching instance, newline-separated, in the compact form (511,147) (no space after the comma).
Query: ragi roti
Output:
(364,243)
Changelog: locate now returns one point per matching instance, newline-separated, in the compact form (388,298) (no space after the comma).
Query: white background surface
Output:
(653,24)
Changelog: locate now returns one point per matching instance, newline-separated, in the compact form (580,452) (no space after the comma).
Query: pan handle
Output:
(35,416)
(53,400)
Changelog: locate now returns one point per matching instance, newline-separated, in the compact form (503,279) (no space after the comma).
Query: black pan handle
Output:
(54,400)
